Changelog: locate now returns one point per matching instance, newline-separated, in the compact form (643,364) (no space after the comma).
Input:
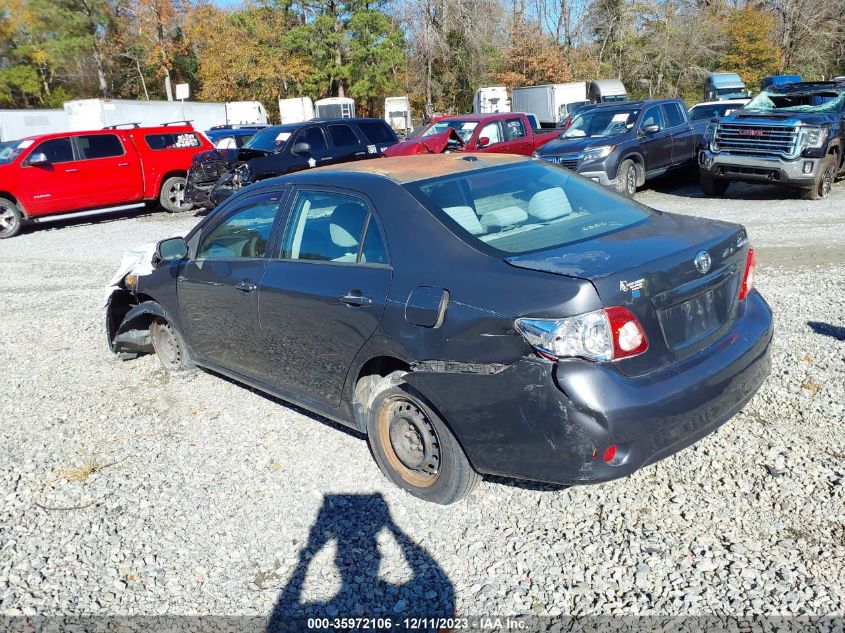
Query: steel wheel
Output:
(409,442)
(169,346)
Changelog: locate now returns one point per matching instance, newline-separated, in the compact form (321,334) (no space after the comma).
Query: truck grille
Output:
(567,162)
(758,140)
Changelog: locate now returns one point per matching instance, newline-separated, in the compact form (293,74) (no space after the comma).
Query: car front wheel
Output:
(414,448)
(626,179)
(11,219)
(824,183)
(712,186)
(170,347)
(172,196)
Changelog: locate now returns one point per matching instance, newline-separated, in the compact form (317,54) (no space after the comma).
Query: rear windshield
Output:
(530,206)
(172,140)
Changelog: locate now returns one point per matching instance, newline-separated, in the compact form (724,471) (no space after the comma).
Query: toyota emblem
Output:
(702,262)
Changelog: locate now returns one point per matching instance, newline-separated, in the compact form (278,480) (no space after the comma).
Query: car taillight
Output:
(608,334)
(750,273)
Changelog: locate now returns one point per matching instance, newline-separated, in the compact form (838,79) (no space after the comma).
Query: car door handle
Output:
(72,170)
(245,286)
(356,299)
(123,164)
(360,153)
(327,158)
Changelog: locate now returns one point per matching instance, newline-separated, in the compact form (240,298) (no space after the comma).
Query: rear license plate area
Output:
(693,319)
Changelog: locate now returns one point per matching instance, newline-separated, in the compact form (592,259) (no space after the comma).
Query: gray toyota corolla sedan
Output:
(471,314)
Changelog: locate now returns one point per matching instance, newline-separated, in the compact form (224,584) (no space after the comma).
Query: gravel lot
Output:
(127,491)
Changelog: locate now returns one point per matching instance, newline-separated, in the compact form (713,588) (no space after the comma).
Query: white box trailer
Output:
(15,124)
(246,113)
(490,100)
(397,113)
(552,103)
(335,108)
(296,110)
(95,114)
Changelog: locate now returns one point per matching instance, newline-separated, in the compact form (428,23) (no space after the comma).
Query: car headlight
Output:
(813,137)
(709,132)
(597,153)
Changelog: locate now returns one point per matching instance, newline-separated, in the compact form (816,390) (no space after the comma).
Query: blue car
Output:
(470,313)
(232,136)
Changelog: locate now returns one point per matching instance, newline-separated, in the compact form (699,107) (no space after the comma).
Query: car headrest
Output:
(346,224)
(503,218)
(465,216)
(549,204)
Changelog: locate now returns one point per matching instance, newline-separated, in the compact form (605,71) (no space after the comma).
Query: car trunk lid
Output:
(650,268)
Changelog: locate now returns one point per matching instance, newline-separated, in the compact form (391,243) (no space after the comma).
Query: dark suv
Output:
(283,149)
(621,145)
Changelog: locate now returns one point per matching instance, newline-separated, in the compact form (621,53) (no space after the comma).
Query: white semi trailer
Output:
(15,124)
(95,114)
(296,109)
(552,103)
(397,113)
(490,100)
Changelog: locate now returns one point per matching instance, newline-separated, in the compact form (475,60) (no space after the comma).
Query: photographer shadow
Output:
(354,523)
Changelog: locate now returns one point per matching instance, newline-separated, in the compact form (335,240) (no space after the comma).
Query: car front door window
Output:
(245,234)
(491,132)
(57,150)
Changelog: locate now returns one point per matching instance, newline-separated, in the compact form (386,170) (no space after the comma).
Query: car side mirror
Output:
(301,148)
(484,141)
(651,129)
(172,249)
(39,159)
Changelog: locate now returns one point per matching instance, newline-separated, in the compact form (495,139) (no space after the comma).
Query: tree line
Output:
(436,51)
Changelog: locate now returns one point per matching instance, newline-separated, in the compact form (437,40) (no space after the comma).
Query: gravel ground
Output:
(127,491)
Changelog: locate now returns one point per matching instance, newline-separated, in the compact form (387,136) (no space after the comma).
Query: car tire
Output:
(626,178)
(11,219)
(413,447)
(172,195)
(712,186)
(824,183)
(170,347)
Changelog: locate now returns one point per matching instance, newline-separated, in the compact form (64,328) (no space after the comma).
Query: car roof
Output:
(723,101)
(405,169)
(159,129)
(478,117)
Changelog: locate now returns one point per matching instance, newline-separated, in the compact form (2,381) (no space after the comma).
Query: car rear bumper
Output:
(553,422)
(760,169)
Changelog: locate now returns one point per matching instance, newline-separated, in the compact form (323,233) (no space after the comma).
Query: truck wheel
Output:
(712,186)
(170,347)
(172,196)
(11,219)
(824,183)
(626,178)
(414,448)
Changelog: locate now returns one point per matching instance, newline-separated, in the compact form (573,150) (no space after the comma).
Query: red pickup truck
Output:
(52,176)
(500,133)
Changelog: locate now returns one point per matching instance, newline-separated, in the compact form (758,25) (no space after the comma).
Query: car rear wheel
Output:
(712,186)
(172,196)
(11,219)
(626,179)
(824,183)
(414,448)
(170,347)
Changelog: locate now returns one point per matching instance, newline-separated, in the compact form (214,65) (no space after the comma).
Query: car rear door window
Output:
(343,136)
(377,132)
(314,137)
(57,150)
(330,227)
(674,116)
(514,129)
(172,140)
(244,234)
(99,146)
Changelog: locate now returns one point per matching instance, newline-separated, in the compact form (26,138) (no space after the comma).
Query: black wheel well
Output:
(12,198)
(374,369)
(181,173)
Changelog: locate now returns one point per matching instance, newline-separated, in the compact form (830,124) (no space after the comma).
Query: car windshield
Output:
(710,110)
(271,139)
(525,207)
(10,150)
(464,128)
(599,123)
(810,100)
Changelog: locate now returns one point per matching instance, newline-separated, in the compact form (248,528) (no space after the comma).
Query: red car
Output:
(500,133)
(82,173)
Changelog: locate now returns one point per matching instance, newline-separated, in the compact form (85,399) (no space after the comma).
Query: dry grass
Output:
(811,385)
